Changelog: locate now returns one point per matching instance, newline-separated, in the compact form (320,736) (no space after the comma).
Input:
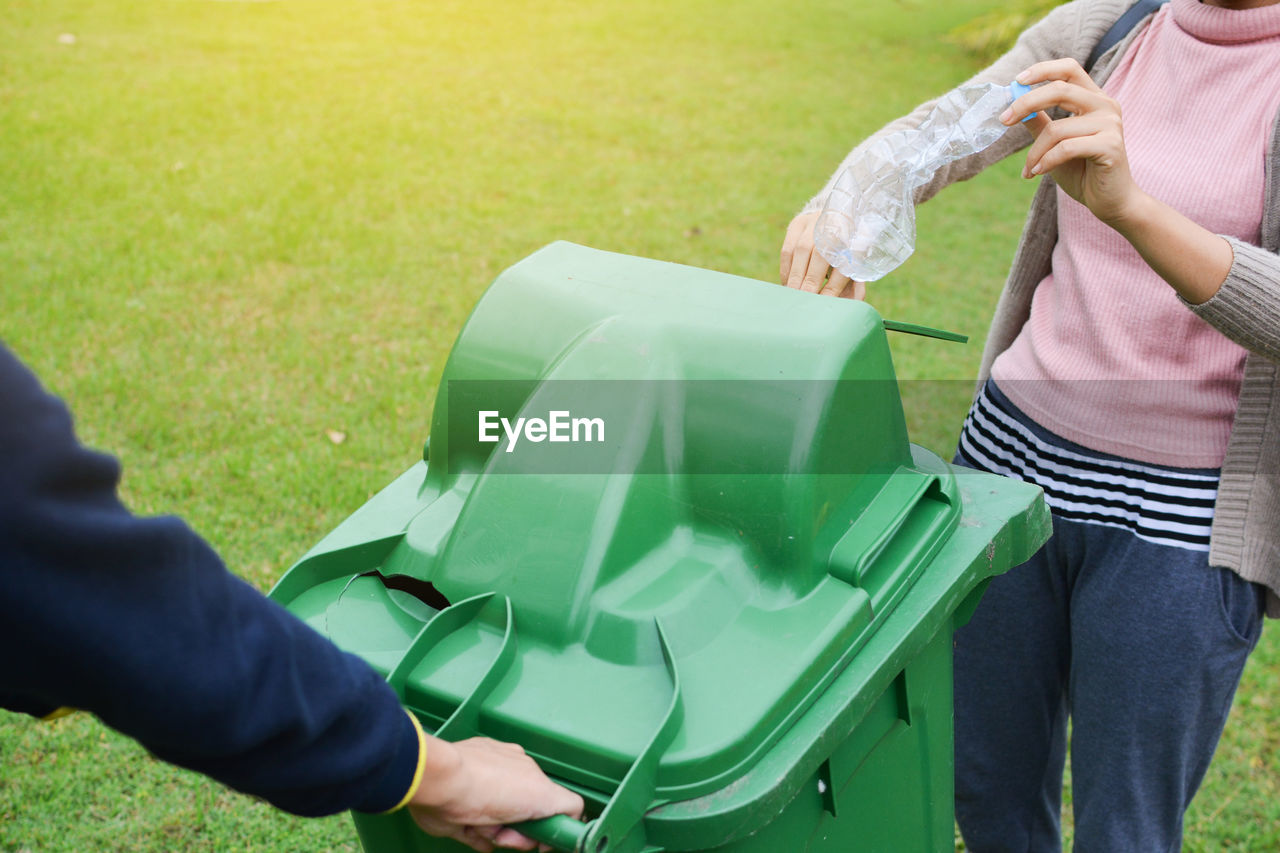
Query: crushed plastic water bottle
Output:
(868,226)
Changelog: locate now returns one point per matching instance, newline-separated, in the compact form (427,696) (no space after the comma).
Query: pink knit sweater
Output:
(1109,357)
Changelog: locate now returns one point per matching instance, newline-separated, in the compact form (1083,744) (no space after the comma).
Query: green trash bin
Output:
(669,535)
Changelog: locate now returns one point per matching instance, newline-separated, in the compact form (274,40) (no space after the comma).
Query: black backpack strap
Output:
(1121,28)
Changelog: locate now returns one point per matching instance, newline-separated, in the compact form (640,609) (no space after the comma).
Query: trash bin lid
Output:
(697,578)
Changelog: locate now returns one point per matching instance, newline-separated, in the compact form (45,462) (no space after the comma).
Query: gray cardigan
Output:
(1246,525)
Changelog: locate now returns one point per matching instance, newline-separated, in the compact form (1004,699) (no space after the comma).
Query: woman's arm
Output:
(1086,155)
(1069,30)
(1232,285)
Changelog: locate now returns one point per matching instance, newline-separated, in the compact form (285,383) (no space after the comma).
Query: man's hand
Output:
(471,790)
(803,268)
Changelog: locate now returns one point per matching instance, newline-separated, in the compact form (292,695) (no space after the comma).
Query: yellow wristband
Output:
(422,763)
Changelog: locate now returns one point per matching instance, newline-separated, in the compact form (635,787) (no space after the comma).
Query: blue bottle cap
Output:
(1017,90)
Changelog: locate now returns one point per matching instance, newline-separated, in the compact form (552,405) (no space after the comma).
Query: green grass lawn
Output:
(233,232)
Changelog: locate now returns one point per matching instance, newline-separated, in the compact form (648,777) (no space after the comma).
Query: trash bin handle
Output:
(559,831)
(620,825)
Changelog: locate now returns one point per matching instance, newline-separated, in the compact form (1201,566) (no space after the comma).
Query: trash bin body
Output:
(722,609)
(886,787)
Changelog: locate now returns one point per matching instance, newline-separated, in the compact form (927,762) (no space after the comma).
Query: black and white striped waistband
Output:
(1168,506)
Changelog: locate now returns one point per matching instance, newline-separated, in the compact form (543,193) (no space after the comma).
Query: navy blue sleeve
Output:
(137,621)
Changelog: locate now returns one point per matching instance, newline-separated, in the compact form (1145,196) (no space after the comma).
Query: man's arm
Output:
(137,621)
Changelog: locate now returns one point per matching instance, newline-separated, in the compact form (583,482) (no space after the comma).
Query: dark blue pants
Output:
(1141,645)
